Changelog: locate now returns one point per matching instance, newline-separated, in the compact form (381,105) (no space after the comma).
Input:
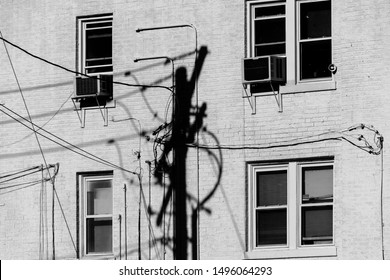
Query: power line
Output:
(25,105)
(30,185)
(52,117)
(86,155)
(75,72)
(20,184)
(36,136)
(19,172)
(26,174)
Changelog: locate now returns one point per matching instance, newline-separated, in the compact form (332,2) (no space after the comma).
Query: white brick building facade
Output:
(219,179)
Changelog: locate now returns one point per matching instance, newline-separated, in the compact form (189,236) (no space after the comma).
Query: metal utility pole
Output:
(125,189)
(120,236)
(139,217)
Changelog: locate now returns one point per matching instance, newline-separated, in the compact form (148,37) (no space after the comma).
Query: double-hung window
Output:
(95,44)
(290,210)
(301,30)
(314,39)
(96,214)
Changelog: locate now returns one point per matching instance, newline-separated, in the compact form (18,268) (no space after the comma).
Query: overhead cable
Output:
(76,72)
(76,149)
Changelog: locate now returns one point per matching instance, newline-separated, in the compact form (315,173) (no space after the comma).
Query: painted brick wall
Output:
(48,29)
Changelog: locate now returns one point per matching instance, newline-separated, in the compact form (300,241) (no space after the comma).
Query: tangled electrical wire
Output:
(366,138)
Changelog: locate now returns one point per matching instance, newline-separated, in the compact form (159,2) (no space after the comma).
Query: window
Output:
(269,29)
(96,214)
(291,208)
(316,204)
(297,29)
(271,207)
(95,44)
(314,39)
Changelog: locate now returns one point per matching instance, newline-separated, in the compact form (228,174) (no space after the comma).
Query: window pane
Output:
(270,49)
(270,11)
(99,197)
(315,20)
(271,227)
(317,225)
(99,24)
(315,59)
(99,43)
(99,69)
(317,184)
(270,31)
(271,188)
(99,235)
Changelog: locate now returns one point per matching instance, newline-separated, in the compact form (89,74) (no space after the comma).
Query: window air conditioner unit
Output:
(264,69)
(100,85)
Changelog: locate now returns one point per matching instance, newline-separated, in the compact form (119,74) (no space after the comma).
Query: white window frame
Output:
(82,27)
(300,205)
(299,40)
(254,195)
(83,216)
(293,249)
(293,82)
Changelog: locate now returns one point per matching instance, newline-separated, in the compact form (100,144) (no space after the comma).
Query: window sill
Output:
(285,253)
(291,88)
(308,87)
(99,257)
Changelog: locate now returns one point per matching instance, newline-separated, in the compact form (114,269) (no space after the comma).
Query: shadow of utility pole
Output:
(183,132)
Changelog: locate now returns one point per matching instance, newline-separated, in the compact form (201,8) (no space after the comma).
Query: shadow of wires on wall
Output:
(186,125)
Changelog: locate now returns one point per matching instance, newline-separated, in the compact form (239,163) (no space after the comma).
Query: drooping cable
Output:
(62,210)
(20,184)
(72,71)
(29,116)
(381,198)
(43,125)
(8,174)
(151,226)
(24,187)
(20,176)
(75,149)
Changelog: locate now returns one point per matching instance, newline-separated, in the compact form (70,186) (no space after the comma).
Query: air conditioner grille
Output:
(85,86)
(256,69)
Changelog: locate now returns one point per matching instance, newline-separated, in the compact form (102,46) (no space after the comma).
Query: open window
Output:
(300,31)
(269,29)
(94,82)
(95,44)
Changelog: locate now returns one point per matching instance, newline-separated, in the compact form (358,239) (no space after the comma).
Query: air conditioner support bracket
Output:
(252,99)
(278,97)
(83,111)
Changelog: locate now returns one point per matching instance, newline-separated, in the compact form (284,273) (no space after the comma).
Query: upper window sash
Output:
(95,45)
(267,22)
